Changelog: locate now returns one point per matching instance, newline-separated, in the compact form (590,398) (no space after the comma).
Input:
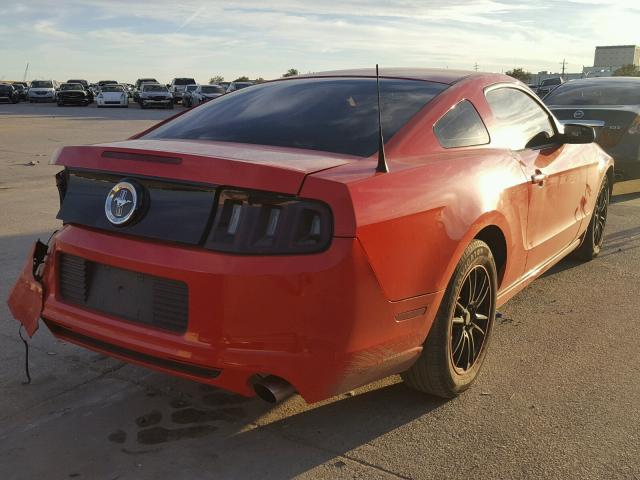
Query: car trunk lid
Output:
(216,163)
(619,122)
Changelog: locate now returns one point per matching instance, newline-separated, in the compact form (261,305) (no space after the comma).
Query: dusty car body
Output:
(288,249)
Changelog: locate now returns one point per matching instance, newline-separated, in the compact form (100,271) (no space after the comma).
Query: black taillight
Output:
(262,223)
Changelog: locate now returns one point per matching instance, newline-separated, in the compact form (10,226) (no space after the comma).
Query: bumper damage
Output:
(26,299)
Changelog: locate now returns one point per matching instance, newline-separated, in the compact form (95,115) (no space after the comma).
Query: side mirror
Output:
(574,133)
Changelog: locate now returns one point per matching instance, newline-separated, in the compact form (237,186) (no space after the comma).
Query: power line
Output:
(564,64)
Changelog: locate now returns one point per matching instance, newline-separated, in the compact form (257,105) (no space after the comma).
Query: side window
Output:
(461,127)
(520,121)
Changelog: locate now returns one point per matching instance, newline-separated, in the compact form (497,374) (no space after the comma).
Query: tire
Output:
(170,106)
(60,104)
(439,370)
(594,236)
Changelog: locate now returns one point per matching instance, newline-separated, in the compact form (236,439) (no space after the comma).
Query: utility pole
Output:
(24,77)
(564,64)
(475,67)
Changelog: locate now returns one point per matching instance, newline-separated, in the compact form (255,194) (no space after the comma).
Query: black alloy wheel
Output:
(470,322)
(456,345)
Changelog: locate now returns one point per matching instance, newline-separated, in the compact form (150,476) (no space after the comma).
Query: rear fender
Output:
(27,295)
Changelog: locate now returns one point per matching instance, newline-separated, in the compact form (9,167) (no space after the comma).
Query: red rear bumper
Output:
(319,321)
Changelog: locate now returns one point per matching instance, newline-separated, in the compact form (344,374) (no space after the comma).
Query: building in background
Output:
(609,58)
(616,56)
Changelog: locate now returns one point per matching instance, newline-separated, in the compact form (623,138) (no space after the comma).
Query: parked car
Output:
(22,89)
(547,85)
(102,83)
(177,87)
(186,96)
(224,85)
(112,96)
(43,91)
(138,87)
(86,86)
(154,94)
(612,104)
(281,239)
(8,93)
(204,93)
(233,86)
(72,94)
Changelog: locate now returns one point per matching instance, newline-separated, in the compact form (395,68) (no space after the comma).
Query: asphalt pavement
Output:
(558,397)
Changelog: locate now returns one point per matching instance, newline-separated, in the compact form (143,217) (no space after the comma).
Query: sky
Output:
(124,40)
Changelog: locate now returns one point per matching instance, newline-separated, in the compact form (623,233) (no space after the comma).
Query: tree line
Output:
(292,72)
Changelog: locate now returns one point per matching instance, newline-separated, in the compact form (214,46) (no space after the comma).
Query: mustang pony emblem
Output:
(121,203)
(121,200)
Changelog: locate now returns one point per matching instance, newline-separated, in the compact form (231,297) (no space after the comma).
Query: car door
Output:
(556,173)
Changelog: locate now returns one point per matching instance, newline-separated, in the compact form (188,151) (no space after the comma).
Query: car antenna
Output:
(382,166)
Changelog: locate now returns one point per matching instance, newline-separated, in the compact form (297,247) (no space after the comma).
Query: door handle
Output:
(538,178)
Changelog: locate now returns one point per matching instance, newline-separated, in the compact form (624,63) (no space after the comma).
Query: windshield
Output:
(184,81)
(551,81)
(329,114)
(112,88)
(618,92)
(191,88)
(5,88)
(41,84)
(212,89)
(71,86)
(151,87)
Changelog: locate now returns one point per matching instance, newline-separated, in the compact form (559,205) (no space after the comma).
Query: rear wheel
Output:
(456,345)
(594,236)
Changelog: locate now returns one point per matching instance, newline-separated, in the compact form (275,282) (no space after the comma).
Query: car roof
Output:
(439,75)
(603,80)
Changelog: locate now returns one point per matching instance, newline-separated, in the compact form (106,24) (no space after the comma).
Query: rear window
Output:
(153,87)
(184,81)
(461,127)
(41,84)
(596,93)
(212,89)
(551,81)
(112,88)
(329,114)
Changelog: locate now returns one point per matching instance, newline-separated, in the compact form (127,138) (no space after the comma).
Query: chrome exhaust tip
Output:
(273,389)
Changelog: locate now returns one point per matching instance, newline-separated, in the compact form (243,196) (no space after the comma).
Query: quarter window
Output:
(519,121)
(461,127)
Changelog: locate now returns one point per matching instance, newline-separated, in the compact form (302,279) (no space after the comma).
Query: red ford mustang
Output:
(265,243)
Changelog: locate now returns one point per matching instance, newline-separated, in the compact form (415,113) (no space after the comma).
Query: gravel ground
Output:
(558,397)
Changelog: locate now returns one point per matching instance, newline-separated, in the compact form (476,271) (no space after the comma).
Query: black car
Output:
(8,93)
(612,105)
(85,84)
(21,88)
(72,94)
(548,85)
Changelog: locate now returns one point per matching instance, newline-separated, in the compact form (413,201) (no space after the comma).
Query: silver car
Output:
(155,95)
(43,91)
(205,93)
